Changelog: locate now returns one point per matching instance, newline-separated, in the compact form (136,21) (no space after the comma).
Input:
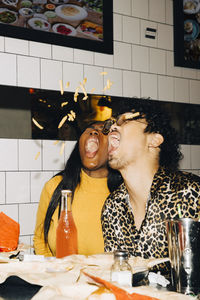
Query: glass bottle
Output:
(66,233)
(121,271)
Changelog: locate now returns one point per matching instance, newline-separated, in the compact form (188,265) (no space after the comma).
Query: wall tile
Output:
(68,149)
(122,7)
(82,56)
(16,46)
(38,179)
(157,10)
(171,69)
(122,56)
(72,73)
(27,217)
(189,73)
(94,79)
(195,156)
(62,53)
(165,37)
(181,90)
(25,65)
(11,211)
(140,8)
(115,76)
(2,188)
(185,163)
(9,155)
(52,159)
(157,59)
(51,73)
(40,49)
(26,240)
(2,43)
(117,27)
(104,60)
(17,187)
(165,88)
(146,41)
(140,58)
(28,149)
(194,91)
(8,69)
(169,12)
(149,86)
(131,30)
(131,84)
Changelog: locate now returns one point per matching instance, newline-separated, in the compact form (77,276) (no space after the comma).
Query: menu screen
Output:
(75,18)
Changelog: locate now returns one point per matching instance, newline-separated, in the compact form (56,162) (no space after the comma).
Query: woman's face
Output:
(93,147)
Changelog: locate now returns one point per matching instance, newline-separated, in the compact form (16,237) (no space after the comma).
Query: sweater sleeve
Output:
(40,247)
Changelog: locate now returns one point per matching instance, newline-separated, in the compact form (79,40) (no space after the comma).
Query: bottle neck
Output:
(66,201)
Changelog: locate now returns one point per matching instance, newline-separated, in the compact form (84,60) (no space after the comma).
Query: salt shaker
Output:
(121,271)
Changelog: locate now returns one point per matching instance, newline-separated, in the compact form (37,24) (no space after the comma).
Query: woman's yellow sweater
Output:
(87,204)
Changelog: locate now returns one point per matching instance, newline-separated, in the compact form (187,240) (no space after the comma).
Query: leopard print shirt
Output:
(167,190)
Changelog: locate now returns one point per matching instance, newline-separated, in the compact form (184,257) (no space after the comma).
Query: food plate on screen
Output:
(71,12)
(91,29)
(10,2)
(191,6)
(59,1)
(64,29)
(26,12)
(39,24)
(8,16)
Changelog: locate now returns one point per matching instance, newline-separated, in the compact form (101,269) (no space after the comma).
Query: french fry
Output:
(37,124)
(62,148)
(76,94)
(92,90)
(61,87)
(63,104)
(67,84)
(103,73)
(37,155)
(84,81)
(56,142)
(62,121)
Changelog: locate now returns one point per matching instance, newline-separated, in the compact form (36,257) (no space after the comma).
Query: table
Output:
(15,288)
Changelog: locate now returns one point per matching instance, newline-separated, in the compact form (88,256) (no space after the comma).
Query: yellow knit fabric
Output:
(87,204)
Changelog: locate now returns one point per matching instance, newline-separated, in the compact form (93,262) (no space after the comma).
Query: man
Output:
(143,147)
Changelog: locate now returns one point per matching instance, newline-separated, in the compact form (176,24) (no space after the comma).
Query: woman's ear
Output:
(156,139)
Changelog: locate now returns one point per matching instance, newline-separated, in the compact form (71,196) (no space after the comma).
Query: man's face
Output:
(127,141)
(93,147)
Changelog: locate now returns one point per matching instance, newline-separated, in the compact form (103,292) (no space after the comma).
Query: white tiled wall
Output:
(139,67)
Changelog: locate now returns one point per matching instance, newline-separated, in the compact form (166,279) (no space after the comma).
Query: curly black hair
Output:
(158,121)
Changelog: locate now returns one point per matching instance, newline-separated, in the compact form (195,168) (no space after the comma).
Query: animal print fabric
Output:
(150,241)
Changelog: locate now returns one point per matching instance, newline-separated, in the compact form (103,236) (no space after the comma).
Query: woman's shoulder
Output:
(52,183)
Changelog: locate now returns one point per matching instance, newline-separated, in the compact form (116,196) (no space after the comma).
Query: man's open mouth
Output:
(113,142)
(91,147)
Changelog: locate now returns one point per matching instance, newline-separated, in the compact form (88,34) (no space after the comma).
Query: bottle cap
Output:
(121,254)
(64,192)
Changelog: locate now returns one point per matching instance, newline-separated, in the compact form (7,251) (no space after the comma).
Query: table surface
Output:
(15,288)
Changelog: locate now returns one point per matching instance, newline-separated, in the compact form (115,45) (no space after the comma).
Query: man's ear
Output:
(156,139)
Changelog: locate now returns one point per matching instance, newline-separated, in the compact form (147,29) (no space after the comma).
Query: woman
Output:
(88,176)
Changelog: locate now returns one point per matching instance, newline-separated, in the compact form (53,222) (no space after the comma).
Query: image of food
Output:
(7,16)
(188,27)
(92,29)
(82,19)
(190,5)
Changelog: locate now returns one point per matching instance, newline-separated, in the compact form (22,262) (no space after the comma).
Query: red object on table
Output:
(9,233)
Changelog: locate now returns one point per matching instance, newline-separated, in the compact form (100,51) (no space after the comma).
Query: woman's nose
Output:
(94,132)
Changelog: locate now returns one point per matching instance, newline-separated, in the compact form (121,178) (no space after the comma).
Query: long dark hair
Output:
(70,180)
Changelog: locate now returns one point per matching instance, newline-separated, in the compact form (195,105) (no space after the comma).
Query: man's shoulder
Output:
(184,180)
(118,194)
